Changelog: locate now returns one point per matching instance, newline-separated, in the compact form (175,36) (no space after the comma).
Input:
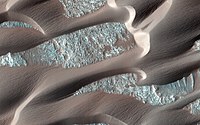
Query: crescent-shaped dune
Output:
(43,95)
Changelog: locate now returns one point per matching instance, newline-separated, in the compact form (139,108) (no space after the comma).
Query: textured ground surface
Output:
(92,45)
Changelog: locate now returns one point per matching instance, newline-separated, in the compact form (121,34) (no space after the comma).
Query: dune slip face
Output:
(163,33)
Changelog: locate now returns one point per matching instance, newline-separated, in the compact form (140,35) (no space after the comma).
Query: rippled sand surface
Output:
(160,50)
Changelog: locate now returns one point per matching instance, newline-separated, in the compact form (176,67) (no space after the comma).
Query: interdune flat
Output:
(164,32)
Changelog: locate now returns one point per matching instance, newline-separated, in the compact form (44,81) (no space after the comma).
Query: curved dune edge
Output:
(50,88)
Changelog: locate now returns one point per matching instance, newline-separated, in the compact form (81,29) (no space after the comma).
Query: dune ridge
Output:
(42,95)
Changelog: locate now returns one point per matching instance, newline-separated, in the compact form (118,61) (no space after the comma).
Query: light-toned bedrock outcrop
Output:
(163,31)
(48,24)
(47,100)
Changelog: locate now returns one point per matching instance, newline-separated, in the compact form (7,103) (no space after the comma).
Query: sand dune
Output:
(163,31)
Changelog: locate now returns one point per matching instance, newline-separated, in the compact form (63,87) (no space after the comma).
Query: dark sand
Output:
(42,95)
